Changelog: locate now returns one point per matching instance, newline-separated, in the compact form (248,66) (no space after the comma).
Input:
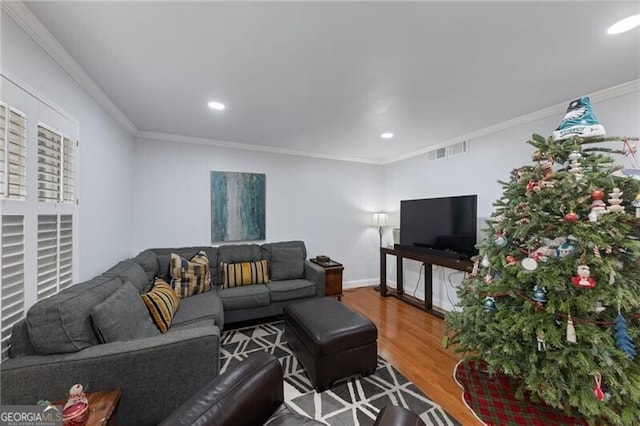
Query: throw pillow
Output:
(287,263)
(162,303)
(122,316)
(190,277)
(245,273)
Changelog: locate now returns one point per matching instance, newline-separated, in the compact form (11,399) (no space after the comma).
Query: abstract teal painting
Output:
(237,206)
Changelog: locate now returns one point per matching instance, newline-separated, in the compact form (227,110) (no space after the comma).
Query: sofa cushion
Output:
(162,303)
(250,296)
(62,323)
(122,316)
(200,306)
(287,263)
(148,260)
(164,258)
(245,273)
(291,289)
(192,276)
(237,253)
(130,270)
(202,322)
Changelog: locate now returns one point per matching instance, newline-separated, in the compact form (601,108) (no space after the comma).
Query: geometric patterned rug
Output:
(492,400)
(354,401)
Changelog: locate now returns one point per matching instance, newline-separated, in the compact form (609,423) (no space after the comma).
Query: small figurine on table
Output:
(76,411)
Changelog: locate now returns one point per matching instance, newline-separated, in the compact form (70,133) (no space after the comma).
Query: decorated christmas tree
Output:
(554,297)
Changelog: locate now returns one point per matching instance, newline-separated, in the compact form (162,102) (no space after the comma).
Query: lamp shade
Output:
(380,219)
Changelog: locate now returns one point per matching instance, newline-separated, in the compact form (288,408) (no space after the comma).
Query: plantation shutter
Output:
(49,167)
(65,270)
(17,155)
(68,171)
(47,255)
(3,150)
(12,291)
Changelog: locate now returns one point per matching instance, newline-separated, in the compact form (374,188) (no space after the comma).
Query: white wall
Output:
(105,153)
(325,203)
(490,158)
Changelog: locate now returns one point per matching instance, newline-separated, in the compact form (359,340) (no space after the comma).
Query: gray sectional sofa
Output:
(100,334)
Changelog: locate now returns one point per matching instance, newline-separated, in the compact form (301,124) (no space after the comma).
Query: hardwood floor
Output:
(412,341)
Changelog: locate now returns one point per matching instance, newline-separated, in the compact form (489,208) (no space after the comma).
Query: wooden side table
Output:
(103,406)
(332,278)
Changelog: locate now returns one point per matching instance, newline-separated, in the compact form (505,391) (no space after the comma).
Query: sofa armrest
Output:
(156,374)
(246,394)
(314,272)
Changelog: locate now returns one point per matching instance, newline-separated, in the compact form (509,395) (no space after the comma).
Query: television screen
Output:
(445,224)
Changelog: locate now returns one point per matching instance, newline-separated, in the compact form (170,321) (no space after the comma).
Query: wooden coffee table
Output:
(103,406)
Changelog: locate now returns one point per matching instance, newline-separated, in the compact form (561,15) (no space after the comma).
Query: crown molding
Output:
(554,110)
(39,33)
(249,147)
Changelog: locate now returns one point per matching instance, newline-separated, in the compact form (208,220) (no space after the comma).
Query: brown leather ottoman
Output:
(330,340)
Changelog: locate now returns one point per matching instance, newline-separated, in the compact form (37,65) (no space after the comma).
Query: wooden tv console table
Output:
(428,261)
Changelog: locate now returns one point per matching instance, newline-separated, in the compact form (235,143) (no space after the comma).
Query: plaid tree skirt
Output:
(492,400)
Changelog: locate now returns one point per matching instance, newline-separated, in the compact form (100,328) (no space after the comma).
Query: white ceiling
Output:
(327,78)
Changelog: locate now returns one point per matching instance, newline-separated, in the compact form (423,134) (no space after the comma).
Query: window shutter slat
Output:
(65,245)
(16,155)
(49,170)
(12,273)
(68,171)
(3,154)
(47,255)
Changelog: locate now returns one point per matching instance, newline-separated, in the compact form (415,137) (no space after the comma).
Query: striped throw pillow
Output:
(246,273)
(189,277)
(162,303)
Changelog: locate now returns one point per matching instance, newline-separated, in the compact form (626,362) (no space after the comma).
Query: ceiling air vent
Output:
(458,149)
(437,154)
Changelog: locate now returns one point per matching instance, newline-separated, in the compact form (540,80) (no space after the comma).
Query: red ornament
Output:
(597,389)
(597,194)
(511,260)
(571,217)
(76,411)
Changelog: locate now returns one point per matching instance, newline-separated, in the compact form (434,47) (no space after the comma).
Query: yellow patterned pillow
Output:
(162,303)
(246,273)
(190,277)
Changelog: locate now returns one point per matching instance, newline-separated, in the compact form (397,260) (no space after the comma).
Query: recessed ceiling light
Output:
(387,135)
(625,24)
(216,105)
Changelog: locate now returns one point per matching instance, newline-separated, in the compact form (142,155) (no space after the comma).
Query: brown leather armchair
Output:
(251,393)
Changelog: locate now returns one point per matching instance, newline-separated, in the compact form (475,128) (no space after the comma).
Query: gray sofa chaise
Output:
(99,333)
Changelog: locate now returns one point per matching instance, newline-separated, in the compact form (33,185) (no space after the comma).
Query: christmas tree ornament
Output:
(579,121)
(542,340)
(500,240)
(539,294)
(529,264)
(488,279)
(583,279)
(597,194)
(474,271)
(547,171)
(612,276)
(623,340)
(565,249)
(485,261)
(510,260)
(575,155)
(597,389)
(596,252)
(571,217)
(571,331)
(76,411)
(599,307)
(576,170)
(490,304)
(615,201)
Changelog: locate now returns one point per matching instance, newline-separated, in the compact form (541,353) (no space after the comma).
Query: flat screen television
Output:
(441,226)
